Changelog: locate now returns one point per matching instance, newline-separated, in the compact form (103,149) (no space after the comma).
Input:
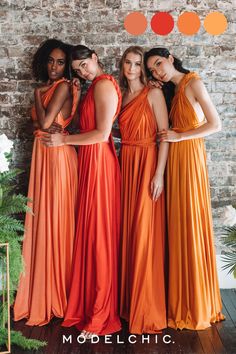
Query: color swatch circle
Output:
(215,23)
(188,23)
(162,23)
(135,23)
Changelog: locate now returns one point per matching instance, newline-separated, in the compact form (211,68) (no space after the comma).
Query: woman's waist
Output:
(149,141)
(39,132)
(185,128)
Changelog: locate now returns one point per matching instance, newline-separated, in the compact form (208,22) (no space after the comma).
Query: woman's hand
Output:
(76,83)
(169,136)
(51,140)
(155,84)
(54,128)
(157,185)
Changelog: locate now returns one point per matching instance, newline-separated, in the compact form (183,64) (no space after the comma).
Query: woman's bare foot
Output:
(87,335)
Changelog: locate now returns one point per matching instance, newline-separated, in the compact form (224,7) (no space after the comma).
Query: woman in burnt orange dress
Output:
(194,297)
(49,231)
(93,301)
(143,163)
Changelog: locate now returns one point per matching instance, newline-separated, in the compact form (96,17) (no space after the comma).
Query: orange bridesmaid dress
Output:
(49,233)
(143,221)
(194,297)
(93,300)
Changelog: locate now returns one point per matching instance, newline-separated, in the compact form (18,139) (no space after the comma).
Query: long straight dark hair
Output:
(168,87)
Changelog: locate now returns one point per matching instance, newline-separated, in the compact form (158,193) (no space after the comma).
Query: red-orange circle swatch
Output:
(135,23)
(188,23)
(162,23)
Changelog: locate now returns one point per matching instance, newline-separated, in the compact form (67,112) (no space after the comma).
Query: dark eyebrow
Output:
(154,64)
(138,61)
(82,62)
(50,57)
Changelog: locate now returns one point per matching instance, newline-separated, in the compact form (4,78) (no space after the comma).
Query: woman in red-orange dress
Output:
(49,232)
(143,206)
(93,301)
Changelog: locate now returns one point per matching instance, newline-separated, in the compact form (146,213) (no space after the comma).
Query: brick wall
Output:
(24,24)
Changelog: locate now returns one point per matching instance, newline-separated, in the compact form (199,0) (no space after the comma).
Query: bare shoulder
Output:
(196,84)
(63,88)
(155,94)
(104,85)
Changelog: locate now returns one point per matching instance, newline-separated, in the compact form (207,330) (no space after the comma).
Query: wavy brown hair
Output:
(122,79)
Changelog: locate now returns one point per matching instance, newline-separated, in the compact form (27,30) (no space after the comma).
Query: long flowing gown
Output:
(194,297)
(143,221)
(49,233)
(93,300)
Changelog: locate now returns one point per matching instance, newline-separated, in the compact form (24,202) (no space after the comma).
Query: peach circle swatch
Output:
(162,23)
(215,23)
(188,23)
(135,23)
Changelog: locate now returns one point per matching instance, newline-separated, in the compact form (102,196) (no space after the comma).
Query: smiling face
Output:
(56,64)
(132,66)
(161,68)
(87,68)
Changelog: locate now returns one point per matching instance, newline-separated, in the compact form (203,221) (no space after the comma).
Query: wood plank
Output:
(218,339)
(227,332)
(226,299)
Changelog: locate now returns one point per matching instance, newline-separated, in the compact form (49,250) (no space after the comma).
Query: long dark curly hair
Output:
(168,87)
(40,59)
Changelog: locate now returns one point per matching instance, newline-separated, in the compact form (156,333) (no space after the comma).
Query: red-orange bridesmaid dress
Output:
(93,300)
(194,297)
(49,233)
(143,221)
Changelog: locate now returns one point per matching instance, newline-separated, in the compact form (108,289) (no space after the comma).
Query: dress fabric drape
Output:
(194,298)
(93,301)
(49,233)
(143,221)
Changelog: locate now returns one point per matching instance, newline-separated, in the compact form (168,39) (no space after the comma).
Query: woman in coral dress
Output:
(49,231)
(93,301)
(143,163)
(194,296)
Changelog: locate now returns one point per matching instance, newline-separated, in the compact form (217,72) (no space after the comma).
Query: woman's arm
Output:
(158,104)
(106,100)
(212,125)
(45,117)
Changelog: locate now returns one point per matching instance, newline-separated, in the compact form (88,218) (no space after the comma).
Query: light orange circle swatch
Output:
(188,23)
(135,23)
(215,23)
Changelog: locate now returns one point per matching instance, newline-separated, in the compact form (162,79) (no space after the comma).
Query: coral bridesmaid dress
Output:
(194,296)
(49,233)
(93,301)
(143,221)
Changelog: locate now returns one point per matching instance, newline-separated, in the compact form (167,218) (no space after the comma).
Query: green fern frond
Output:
(14,204)
(10,175)
(8,223)
(18,339)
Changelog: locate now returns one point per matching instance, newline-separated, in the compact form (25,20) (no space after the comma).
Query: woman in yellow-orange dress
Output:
(194,297)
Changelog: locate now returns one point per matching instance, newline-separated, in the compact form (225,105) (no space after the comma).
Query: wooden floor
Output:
(220,338)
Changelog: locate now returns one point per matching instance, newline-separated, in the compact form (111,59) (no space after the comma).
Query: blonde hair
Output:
(122,79)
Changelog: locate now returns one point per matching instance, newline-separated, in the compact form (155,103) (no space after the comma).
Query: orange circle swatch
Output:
(188,23)
(215,23)
(135,23)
